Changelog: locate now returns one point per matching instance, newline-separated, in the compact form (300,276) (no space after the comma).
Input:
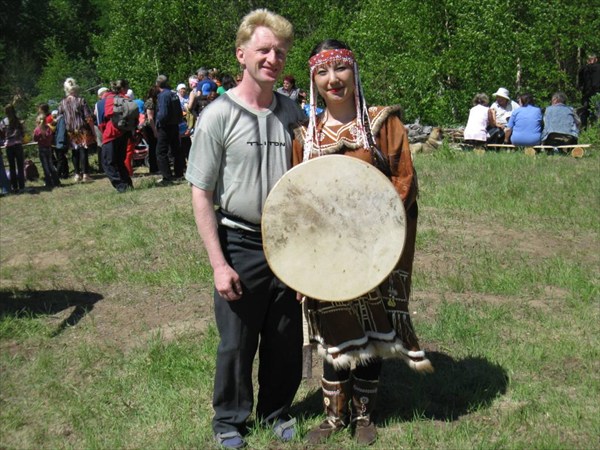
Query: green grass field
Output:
(107,337)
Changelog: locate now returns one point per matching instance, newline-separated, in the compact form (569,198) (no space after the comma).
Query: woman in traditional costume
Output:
(354,336)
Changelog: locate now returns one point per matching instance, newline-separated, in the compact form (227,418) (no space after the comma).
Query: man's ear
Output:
(240,55)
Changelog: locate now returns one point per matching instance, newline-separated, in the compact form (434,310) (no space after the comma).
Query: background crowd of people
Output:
(523,123)
(163,135)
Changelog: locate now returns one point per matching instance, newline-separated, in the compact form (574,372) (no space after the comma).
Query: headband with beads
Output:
(330,56)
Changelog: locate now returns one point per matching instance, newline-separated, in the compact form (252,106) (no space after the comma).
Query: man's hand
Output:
(227,283)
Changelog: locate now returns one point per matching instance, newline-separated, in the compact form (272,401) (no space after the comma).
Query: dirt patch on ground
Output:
(472,230)
(131,321)
(119,316)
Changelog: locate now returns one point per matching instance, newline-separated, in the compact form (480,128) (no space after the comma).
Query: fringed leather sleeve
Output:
(297,145)
(392,139)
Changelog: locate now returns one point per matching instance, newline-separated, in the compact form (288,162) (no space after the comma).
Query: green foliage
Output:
(431,56)
(58,67)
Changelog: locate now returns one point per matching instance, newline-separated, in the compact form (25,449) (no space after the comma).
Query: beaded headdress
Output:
(327,57)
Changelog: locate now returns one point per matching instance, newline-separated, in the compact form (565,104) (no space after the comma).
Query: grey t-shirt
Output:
(240,153)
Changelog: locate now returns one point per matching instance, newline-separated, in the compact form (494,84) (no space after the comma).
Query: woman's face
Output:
(335,82)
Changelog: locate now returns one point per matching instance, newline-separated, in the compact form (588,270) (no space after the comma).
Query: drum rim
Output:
(267,250)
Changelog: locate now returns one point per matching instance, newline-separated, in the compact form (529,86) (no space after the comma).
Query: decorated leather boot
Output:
(364,395)
(335,400)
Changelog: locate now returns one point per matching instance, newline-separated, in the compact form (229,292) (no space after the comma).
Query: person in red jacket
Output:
(114,141)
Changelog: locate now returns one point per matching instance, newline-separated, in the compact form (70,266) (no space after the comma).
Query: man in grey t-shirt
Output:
(241,147)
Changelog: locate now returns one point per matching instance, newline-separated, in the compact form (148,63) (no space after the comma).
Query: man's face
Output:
(502,101)
(263,56)
(287,85)
(182,92)
(592,60)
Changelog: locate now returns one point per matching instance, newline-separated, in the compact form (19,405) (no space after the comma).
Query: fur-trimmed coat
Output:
(390,136)
(377,324)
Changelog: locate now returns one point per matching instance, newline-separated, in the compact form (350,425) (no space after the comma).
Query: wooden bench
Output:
(477,149)
(576,150)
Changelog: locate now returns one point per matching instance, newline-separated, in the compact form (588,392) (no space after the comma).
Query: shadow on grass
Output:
(455,389)
(37,303)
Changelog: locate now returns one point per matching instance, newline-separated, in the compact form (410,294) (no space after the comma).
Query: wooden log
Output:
(575,150)
(578,152)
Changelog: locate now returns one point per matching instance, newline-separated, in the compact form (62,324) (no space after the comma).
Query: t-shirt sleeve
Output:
(207,151)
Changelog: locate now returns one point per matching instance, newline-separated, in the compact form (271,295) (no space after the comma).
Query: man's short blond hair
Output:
(279,25)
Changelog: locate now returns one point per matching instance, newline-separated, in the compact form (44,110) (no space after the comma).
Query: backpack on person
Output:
(125,113)
(30,170)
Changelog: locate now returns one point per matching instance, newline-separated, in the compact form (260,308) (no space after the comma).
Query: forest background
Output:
(430,56)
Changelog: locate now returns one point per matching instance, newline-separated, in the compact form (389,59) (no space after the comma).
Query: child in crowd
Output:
(44,136)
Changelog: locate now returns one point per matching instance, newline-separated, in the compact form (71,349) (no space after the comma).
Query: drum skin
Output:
(333,228)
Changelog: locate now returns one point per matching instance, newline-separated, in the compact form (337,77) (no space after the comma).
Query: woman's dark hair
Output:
(44,107)
(328,44)
(11,115)
(152,92)
(526,99)
(227,82)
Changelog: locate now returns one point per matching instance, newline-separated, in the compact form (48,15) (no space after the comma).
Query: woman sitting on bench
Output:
(524,128)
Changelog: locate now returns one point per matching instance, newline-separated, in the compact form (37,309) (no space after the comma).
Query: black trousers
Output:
(113,162)
(496,135)
(589,111)
(62,163)
(267,318)
(16,166)
(557,139)
(81,163)
(51,178)
(151,140)
(168,138)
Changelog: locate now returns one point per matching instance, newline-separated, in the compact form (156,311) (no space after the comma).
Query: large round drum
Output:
(333,228)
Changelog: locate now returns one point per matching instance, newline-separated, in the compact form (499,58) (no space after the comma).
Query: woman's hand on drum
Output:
(228,283)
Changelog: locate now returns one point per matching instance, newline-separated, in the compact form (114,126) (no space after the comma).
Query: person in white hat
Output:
(500,113)
(183,97)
